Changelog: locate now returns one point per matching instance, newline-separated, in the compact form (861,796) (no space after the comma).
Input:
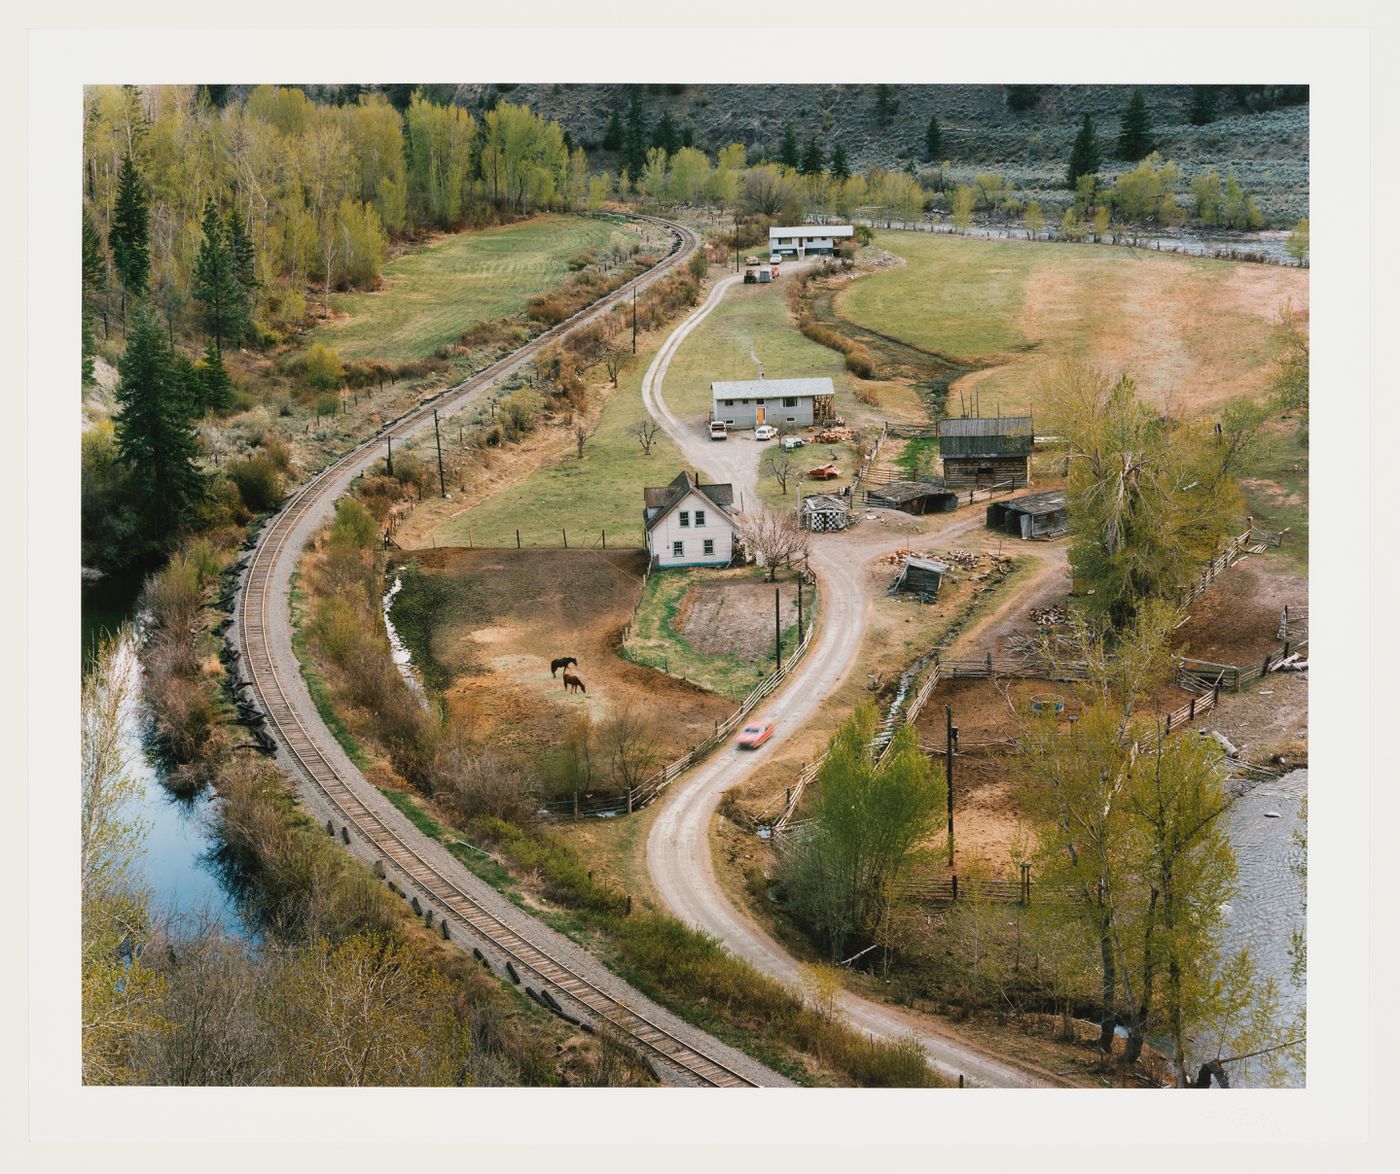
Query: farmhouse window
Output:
(792,419)
(709,546)
(699,517)
(678,550)
(729,422)
(728,403)
(789,401)
(685,517)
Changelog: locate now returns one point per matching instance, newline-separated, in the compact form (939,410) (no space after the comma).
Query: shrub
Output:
(259,483)
(324,370)
(699,265)
(487,783)
(328,405)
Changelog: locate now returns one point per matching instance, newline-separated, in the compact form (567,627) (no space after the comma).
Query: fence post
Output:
(605,542)
(1025,882)
(575,804)
(517,539)
(566,538)
(1285,650)
(955,886)
(1264,672)
(1191,716)
(1169,723)
(629,800)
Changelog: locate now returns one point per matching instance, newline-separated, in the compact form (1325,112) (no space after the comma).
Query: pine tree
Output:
(666,136)
(1202,105)
(787,152)
(216,284)
(634,139)
(886,103)
(840,168)
(687,135)
(813,157)
(130,232)
(94,274)
(613,134)
(1084,158)
(240,247)
(1135,134)
(155,435)
(933,141)
(214,385)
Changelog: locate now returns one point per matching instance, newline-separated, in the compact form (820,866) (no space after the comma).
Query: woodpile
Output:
(896,557)
(837,436)
(1049,617)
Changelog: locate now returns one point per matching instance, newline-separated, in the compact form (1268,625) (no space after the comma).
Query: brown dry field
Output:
(730,613)
(541,604)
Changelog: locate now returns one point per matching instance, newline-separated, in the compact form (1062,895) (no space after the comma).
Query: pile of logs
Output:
(837,436)
(1049,617)
(896,557)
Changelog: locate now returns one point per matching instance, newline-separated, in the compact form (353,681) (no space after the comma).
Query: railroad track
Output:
(343,791)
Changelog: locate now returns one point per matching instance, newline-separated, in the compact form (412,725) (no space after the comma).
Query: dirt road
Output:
(678,848)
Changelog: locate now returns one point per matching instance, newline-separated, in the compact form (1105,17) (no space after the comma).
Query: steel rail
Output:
(340,794)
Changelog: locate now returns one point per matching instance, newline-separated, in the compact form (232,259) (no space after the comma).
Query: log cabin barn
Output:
(783,403)
(912,497)
(1037,515)
(824,512)
(802,239)
(689,524)
(920,576)
(988,450)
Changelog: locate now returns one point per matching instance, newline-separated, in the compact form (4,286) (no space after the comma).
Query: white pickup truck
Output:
(719,430)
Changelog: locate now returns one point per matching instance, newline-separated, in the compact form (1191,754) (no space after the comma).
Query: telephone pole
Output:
(634,321)
(948,771)
(390,459)
(437,436)
(778,625)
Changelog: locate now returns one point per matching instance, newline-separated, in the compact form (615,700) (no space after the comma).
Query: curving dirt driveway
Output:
(678,847)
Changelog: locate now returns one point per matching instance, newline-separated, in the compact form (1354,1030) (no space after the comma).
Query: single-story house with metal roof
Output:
(689,524)
(793,403)
(1038,515)
(913,497)
(920,576)
(987,450)
(799,240)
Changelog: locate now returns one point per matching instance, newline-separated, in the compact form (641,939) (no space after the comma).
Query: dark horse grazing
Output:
(562,662)
(572,682)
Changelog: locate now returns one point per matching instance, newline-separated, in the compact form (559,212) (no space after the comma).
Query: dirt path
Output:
(678,848)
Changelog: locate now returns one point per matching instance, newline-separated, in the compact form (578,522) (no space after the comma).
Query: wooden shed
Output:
(1038,515)
(913,497)
(989,450)
(921,576)
(824,511)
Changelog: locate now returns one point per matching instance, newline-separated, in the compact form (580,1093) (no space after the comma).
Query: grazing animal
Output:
(572,682)
(562,662)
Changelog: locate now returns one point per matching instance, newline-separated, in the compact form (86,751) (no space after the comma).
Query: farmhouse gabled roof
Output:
(770,388)
(662,499)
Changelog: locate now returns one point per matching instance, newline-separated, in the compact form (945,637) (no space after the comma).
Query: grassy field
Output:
(1194,330)
(431,295)
(1277,494)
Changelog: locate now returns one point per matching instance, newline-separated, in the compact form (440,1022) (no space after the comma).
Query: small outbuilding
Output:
(989,450)
(824,511)
(920,576)
(913,497)
(1038,515)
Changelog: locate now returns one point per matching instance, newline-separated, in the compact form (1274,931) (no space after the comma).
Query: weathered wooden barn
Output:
(913,497)
(1037,515)
(920,576)
(824,511)
(988,450)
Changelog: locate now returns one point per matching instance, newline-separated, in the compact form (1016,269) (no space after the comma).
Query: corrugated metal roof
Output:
(770,388)
(925,564)
(986,426)
(824,501)
(812,230)
(906,491)
(1037,503)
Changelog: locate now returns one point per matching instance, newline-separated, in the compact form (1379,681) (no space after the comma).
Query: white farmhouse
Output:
(799,240)
(689,524)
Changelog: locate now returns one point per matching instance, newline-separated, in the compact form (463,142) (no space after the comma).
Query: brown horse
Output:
(562,662)
(572,682)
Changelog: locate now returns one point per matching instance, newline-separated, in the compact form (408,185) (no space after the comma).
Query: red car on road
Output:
(752,736)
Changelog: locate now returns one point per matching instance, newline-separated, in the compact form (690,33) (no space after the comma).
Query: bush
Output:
(699,265)
(323,368)
(258,481)
(487,783)
(327,405)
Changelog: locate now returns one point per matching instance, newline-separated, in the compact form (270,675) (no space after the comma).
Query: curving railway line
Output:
(521,947)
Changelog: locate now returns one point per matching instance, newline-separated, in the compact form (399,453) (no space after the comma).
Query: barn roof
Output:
(770,388)
(1036,503)
(825,501)
(907,491)
(660,500)
(986,436)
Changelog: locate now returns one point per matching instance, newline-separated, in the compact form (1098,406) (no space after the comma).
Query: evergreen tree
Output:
(240,247)
(886,103)
(94,274)
(813,158)
(214,386)
(933,141)
(634,139)
(1202,105)
(130,232)
(1021,98)
(216,283)
(687,135)
(155,435)
(666,136)
(1084,158)
(840,167)
(613,133)
(787,152)
(1135,134)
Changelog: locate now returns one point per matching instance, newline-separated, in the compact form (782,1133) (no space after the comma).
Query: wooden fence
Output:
(1293,621)
(1235,549)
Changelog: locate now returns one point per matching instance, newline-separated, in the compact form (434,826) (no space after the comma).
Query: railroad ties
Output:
(357,818)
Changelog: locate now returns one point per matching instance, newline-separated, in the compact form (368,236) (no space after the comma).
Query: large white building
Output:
(795,403)
(799,240)
(689,524)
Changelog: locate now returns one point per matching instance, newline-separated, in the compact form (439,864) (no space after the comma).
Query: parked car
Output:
(753,735)
(719,430)
(765,432)
(791,442)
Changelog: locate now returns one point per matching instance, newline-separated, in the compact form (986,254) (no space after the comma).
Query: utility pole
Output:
(437,436)
(390,439)
(948,771)
(634,321)
(799,610)
(778,625)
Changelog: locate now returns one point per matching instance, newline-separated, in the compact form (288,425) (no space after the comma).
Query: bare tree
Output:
(583,430)
(627,740)
(613,360)
(774,540)
(646,430)
(484,783)
(778,465)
